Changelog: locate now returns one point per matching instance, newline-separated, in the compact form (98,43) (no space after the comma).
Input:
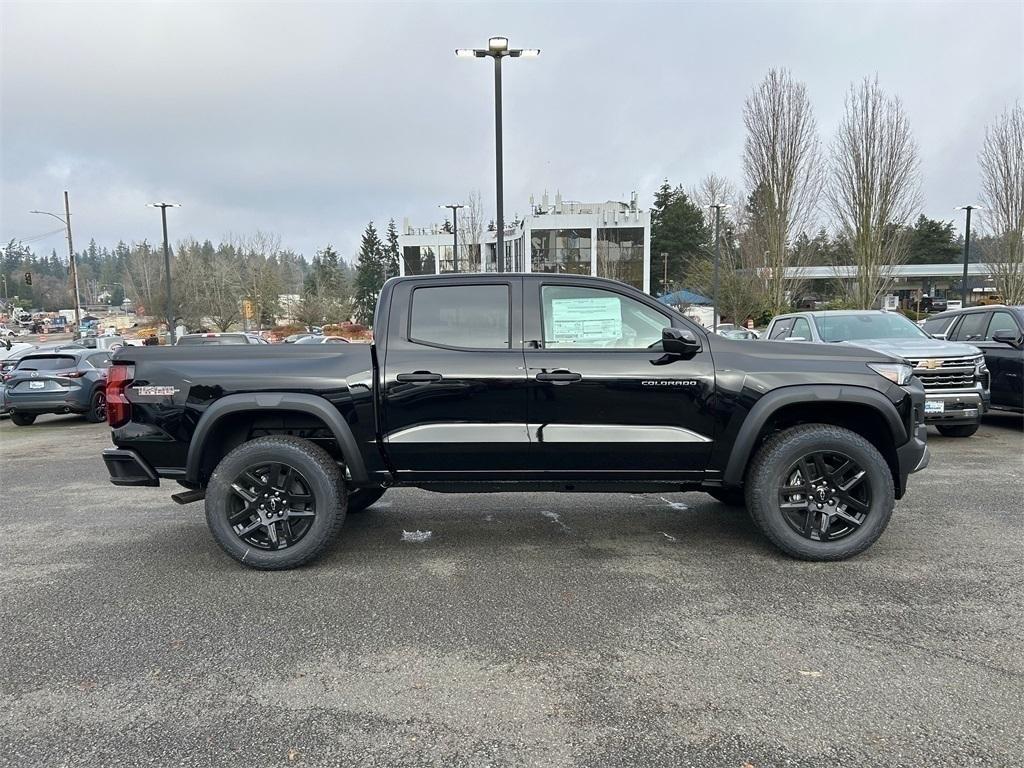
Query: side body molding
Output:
(811,393)
(290,401)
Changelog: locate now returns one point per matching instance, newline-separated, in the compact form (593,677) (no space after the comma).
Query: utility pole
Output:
(455,231)
(167,267)
(664,277)
(967,250)
(66,221)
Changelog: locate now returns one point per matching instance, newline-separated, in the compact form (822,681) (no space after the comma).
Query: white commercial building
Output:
(610,239)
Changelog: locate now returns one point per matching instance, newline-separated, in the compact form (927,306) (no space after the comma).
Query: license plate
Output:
(36,384)
(934,406)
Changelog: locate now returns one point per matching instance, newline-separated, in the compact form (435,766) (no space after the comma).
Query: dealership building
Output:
(611,239)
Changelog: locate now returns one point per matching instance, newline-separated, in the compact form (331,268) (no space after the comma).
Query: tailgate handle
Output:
(559,377)
(418,377)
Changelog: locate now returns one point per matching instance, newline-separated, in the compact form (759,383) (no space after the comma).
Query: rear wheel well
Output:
(233,429)
(866,421)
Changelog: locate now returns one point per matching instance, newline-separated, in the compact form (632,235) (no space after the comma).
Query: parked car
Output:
(954,375)
(11,332)
(739,333)
(321,340)
(998,331)
(505,382)
(65,380)
(296,337)
(219,338)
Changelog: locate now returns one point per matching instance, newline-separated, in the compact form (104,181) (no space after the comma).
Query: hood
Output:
(916,348)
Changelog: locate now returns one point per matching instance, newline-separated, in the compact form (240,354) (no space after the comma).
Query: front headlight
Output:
(980,369)
(897,373)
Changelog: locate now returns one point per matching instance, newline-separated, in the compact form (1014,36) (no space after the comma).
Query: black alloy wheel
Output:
(97,407)
(273,506)
(824,496)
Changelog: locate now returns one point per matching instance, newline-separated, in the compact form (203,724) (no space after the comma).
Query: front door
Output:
(604,399)
(454,388)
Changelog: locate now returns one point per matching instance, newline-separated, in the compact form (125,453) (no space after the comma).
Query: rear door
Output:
(454,381)
(604,402)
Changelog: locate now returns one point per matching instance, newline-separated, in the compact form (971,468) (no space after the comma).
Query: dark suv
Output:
(998,331)
(61,381)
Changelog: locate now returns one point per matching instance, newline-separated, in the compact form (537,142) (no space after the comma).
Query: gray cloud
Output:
(310,119)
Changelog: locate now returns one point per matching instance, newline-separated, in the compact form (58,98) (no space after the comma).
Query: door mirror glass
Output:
(1008,336)
(678,341)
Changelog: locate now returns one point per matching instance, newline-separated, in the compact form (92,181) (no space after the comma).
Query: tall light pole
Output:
(66,220)
(167,266)
(718,251)
(455,231)
(497,48)
(967,248)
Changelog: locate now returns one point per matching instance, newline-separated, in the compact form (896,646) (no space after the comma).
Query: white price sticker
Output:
(582,321)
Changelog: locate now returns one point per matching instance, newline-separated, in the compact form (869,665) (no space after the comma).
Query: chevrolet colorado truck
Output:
(509,382)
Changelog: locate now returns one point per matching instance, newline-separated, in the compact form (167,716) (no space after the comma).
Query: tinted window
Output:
(781,329)
(469,316)
(801,328)
(47,363)
(972,327)
(589,318)
(938,325)
(100,361)
(1001,321)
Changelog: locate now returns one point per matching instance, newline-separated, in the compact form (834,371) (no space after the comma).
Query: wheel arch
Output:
(859,409)
(226,408)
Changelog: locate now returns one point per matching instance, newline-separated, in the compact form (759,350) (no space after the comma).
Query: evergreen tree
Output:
(933,242)
(369,276)
(678,229)
(391,251)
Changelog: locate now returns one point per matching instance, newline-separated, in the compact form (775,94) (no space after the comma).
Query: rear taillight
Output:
(119,410)
(73,375)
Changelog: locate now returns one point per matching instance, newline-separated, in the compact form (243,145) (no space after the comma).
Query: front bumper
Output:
(964,407)
(126,467)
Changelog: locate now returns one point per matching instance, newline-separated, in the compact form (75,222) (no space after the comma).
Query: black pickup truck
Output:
(506,382)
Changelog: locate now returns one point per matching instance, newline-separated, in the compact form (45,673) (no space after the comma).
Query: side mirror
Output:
(1009,336)
(678,341)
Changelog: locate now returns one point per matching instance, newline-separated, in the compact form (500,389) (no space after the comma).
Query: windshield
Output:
(885,325)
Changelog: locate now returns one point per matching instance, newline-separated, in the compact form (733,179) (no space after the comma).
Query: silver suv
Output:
(955,377)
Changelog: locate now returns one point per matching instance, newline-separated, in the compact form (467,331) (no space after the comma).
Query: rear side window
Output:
(1001,321)
(938,325)
(781,329)
(972,327)
(47,363)
(100,361)
(466,316)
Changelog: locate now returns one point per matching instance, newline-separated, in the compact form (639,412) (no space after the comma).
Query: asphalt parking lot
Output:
(543,630)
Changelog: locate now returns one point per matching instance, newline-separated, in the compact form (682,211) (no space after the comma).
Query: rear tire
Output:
(362,498)
(957,430)
(731,497)
(97,407)
(23,419)
(276,503)
(858,512)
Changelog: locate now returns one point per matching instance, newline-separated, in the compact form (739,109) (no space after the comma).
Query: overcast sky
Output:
(308,120)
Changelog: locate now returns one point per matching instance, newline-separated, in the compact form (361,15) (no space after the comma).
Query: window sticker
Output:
(585,320)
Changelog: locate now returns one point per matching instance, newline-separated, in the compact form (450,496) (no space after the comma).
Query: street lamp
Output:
(455,231)
(66,221)
(167,265)
(718,249)
(497,48)
(967,248)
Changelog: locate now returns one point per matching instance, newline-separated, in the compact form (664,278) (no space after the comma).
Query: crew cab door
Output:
(454,378)
(604,399)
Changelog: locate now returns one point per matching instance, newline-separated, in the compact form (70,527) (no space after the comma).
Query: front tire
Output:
(820,492)
(957,430)
(276,503)
(23,419)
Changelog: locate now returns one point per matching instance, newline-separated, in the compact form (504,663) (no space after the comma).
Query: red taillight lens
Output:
(119,410)
(73,374)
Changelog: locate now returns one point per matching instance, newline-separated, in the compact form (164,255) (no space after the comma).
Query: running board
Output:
(187,497)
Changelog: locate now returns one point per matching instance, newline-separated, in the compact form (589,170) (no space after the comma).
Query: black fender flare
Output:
(764,408)
(282,401)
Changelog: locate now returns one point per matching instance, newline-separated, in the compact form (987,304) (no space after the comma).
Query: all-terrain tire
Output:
(767,472)
(732,497)
(23,419)
(359,499)
(97,407)
(957,430)
(315,467)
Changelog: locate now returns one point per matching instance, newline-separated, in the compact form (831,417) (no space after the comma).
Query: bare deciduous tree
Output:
(783,172)
(1002,193)
(471,229)
(875,188)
